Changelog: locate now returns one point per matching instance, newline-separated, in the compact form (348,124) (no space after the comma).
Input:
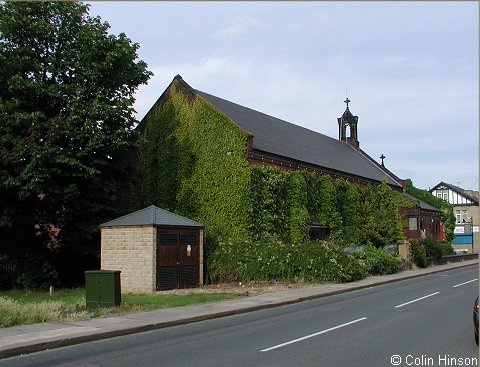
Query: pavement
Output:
(35,337)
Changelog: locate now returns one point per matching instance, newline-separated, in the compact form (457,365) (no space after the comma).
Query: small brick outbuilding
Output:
(154,249)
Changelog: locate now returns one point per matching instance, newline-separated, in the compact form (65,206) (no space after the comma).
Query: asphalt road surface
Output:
(425,321)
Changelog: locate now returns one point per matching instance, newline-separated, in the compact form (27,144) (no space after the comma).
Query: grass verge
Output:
(20,307)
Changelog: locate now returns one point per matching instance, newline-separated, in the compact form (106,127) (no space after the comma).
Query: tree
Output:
(66,130)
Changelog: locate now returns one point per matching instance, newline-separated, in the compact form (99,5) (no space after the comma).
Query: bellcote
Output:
(350,122)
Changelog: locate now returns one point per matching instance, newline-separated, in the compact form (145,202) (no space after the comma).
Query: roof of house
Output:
(421,204)
(152,215)
(457,189)
(282,138)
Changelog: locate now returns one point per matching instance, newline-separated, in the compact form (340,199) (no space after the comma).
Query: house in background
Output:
(467,215)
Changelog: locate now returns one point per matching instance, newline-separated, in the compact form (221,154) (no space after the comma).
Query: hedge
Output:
(270,259)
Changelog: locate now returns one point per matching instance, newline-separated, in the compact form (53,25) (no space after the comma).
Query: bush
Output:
(377,261)
(211,243)
(429,248)
(437,249)
(269,259)
(417,254)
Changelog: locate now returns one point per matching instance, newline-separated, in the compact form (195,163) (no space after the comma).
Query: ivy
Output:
(299,220)
(390,226)
(268,202)
(192,161)
(348,203)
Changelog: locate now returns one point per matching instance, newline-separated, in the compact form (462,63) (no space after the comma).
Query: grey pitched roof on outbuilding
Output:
(423,205)
(152,215)
(276,136)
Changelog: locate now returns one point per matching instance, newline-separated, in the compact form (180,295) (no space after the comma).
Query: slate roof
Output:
(423,205)
(154,216)
(279,137)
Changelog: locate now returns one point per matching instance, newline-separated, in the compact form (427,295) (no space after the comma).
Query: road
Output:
(425,321)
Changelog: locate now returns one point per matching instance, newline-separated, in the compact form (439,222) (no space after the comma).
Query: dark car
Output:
(475,319)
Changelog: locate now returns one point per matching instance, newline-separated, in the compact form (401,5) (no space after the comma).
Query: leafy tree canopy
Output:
(66,127)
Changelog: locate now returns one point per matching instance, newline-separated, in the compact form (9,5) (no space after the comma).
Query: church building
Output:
(270,141)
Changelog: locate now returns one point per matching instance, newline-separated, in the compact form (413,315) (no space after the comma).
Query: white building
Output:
(467,214)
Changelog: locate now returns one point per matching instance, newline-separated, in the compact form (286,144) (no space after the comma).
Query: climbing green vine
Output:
(192,161)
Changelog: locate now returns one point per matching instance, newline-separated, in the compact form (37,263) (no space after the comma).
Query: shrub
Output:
(437,249)
(417,254)
(211,242)
(377,261)
(269,259)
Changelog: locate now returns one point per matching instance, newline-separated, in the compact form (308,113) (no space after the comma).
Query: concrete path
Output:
(31,338)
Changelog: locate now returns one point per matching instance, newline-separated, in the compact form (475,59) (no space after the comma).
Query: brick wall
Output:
(132,251)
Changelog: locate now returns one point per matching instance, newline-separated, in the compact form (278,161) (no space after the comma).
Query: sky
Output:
(410,70)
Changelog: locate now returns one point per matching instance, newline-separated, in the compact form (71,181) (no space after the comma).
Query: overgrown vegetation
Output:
(269,259)
(284,204)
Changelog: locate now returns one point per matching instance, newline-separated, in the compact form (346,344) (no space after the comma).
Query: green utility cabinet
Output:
(102,288)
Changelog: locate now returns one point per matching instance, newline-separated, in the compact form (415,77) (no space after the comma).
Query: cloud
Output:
(405,119)
(273,87)
(241,25)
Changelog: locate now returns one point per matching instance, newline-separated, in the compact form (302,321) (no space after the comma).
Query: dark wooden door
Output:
(167,255)
(177,259)
(189,254)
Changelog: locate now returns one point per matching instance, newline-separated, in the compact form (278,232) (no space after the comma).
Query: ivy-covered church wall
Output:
(192,162)
(284,204)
